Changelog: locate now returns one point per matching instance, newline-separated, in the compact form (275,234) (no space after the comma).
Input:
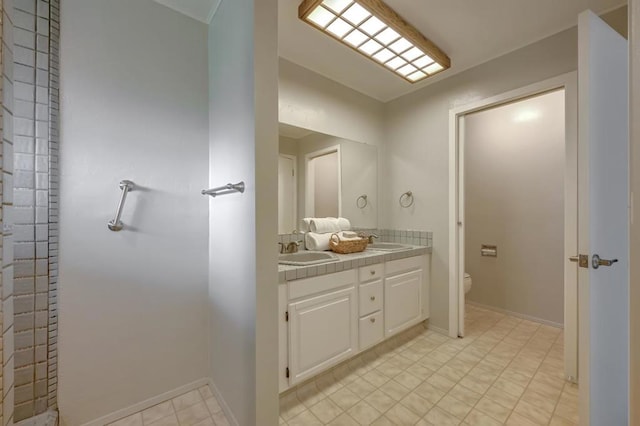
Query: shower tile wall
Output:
(34,377)
(54,185)
(7,388)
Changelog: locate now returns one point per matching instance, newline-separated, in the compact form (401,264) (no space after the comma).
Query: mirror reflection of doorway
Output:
(323,183)
(287,190)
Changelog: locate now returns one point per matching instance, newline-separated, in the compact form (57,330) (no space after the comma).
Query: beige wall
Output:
(417,147)
(129,299)
(326,194)
(418,144)
(359,173)
(514,198)
(634,297)
(313,102)
(243,145)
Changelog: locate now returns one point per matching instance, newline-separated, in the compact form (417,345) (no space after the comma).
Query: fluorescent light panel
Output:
(377,32)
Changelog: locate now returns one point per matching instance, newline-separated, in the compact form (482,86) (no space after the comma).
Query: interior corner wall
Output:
(133,312)
(634,287)
(243,146)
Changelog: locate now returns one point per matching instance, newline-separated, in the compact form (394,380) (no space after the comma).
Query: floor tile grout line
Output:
(498,334)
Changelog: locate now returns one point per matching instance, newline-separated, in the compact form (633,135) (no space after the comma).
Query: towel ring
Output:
(363,204)
(406,199)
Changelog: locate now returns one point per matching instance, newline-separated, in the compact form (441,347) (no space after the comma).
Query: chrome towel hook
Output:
(115,224)
(406,199)
(362,204)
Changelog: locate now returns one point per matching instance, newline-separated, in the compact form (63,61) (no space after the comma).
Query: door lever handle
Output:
(596,262)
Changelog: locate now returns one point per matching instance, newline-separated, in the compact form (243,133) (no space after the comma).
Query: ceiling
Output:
(202,10)
(293,132)
(470,32)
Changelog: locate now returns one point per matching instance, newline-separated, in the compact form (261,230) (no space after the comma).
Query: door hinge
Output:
(287,372)
(293,172)
(286,316)
(582,260)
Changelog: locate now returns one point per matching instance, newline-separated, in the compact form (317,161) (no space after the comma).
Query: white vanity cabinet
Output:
(404,287)
(330,318)
(323,323)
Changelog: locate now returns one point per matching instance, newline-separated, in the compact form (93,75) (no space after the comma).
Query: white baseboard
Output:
(223,404)
(516,314)
(116,415)
(48,418)
(438,330)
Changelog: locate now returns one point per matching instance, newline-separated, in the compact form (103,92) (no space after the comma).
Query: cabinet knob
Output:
(372,272)
(372,319)
(373,298)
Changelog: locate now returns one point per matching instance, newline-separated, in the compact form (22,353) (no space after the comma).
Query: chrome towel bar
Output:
(115,224)
(229,188)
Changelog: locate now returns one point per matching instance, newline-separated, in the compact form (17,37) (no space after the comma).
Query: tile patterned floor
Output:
(196,408)
(506,371)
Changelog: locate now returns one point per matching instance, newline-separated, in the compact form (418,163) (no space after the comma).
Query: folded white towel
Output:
(305,224)
(324,225)
(317,242)
(344,224)
(349,234)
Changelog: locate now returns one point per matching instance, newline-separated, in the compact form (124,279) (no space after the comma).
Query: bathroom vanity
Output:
(331,312)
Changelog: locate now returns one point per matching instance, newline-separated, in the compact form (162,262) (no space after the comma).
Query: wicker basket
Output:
(347,246)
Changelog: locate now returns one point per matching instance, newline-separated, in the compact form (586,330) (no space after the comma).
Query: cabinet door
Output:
(322,332)
(402,301)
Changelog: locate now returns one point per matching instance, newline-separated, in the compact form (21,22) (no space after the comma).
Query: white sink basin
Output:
(388,246)
(305,258)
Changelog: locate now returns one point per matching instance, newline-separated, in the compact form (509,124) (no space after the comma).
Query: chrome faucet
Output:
(293,246)
(371,237)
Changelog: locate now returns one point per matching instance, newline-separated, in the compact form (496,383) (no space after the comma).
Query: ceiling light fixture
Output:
(376,31)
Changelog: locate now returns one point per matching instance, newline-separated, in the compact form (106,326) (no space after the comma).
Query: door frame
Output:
(568,82)
(309,206)
(294,160)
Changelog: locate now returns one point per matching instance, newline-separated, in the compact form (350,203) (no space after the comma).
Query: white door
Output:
(286,194)
(322,332)
(402,301)
(603,219)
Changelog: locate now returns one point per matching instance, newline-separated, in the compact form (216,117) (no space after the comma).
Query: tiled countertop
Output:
(348,261)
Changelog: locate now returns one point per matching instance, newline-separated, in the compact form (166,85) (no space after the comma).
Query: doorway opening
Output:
(323,183)
(513,224)
(287,193)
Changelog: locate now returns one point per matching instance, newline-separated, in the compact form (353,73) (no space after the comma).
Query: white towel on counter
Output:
(348,236)
(344,224)
(324,225)
(317,242)
(305,224)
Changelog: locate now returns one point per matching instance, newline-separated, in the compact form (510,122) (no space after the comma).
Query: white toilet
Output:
(467,283)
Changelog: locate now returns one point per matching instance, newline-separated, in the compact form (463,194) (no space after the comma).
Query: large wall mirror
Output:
(321,175)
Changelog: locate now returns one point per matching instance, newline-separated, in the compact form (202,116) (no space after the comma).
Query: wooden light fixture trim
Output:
(392,20)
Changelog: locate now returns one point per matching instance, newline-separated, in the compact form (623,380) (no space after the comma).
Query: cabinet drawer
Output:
(402,265)
(371,272)
(371,330)
(320,284)
(370,296)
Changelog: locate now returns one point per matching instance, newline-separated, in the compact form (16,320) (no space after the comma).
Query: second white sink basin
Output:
(388,246)
(305,258)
